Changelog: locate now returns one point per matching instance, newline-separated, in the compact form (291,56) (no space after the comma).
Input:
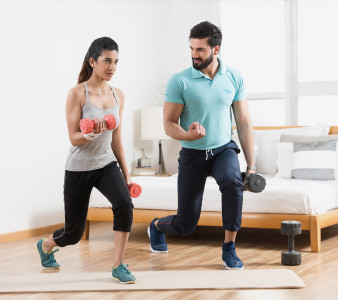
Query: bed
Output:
(313,203)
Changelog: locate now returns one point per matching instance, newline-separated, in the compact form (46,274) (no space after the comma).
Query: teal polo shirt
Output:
(208,102)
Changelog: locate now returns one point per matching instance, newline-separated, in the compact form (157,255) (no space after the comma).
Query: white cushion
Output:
(268,144)
(285,152)
(314,160)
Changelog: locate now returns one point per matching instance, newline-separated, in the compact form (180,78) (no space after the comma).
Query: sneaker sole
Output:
(48,268)
(229,268)
(151,249)
(127,282)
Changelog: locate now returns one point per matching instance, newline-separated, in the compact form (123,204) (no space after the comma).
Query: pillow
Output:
(268,144)
(314,160)
(284,162)
(285,152)
(241,157)
(306,138)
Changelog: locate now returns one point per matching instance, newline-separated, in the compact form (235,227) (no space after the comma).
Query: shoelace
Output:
(124,269)
(51,258)
(232,253)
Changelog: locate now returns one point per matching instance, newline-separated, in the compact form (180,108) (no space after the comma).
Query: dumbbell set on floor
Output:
(88,125)
(253,182)
(291,257)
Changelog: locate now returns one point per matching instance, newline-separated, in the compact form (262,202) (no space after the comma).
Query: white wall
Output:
(42,49)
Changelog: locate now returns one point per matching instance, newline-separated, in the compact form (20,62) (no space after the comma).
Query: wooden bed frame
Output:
(249,220)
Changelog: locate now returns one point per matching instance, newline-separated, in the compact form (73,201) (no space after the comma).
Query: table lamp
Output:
(152,128)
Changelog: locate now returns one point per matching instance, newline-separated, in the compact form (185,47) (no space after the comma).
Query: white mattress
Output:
(291,196)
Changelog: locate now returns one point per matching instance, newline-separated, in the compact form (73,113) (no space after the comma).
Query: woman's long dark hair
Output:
(94,51)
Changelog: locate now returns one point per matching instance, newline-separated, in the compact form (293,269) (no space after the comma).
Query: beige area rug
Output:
(151,280)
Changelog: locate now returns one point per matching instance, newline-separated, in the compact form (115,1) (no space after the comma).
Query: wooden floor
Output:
(258,248)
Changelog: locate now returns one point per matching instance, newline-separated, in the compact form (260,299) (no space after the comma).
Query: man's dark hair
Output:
(207,30)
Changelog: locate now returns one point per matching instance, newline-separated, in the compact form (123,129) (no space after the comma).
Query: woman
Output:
(93,157)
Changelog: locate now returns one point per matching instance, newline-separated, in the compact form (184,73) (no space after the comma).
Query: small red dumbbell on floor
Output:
(135,190)
(88,125)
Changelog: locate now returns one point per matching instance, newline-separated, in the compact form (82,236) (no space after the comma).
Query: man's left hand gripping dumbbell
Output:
(253,182)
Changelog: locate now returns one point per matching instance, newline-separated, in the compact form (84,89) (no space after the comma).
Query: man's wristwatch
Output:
(253,168)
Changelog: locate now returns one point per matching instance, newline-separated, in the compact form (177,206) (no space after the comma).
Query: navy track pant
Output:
(194,168)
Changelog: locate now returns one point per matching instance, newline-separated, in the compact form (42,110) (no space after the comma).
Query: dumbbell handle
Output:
(93,121)
(291,242)
(84,128)
(88,125)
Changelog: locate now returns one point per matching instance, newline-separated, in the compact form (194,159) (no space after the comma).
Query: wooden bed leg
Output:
(86,233)
(315,234)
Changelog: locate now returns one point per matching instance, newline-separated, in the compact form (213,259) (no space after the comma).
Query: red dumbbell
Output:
(135,190)
(88,125)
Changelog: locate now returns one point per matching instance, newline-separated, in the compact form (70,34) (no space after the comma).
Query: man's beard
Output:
(204,64)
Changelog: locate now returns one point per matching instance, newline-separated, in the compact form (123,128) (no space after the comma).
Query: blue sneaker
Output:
(157,239)
(230,259)
(122,274)
(47,258)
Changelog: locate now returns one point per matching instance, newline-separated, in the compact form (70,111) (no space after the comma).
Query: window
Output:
(317,40)
(318,109)
(259,40)
(260,116)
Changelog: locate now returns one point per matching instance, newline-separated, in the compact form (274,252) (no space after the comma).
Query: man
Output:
(201,97)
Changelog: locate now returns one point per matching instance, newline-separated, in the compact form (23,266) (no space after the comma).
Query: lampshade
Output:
(152,127)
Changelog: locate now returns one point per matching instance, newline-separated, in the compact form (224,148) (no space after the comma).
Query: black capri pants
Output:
(77,189)
(194,168)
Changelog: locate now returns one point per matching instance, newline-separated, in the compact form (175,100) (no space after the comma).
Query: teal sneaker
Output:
(122,274)
(47,258)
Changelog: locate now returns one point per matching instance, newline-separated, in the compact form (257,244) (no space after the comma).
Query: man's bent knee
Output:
(186,229)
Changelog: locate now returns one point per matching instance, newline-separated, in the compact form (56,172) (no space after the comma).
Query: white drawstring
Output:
(206,153)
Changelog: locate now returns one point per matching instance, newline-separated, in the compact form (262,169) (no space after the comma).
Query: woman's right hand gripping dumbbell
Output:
(91,129)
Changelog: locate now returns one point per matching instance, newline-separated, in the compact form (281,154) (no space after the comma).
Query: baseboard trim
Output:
(25,234)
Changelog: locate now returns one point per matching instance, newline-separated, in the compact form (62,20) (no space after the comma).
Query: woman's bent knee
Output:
(123,217)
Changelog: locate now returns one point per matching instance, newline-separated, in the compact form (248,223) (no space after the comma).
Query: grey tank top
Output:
(97,153)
